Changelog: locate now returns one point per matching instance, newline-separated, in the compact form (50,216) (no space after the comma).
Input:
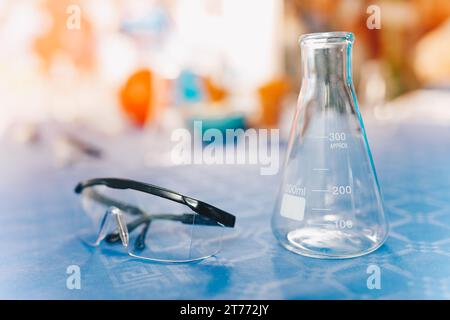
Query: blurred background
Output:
(112,67)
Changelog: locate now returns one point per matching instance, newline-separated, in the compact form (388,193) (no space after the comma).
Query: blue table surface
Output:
(38,242)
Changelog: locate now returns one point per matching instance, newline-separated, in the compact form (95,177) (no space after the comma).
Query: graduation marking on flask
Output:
(337,140)
(293,202)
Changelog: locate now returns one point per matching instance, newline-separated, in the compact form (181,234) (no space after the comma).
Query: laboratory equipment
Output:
(151,223)
(329,205)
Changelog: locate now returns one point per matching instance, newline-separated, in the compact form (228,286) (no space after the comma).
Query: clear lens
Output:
(90,222)
(159,229)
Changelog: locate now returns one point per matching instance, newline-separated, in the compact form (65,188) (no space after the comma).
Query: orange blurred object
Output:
(215,92)
(136,97)
(271,97)
(77,45)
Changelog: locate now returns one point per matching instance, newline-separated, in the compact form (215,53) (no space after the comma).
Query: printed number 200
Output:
(340,190)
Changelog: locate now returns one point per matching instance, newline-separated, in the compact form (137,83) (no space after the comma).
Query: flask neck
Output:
(327,61)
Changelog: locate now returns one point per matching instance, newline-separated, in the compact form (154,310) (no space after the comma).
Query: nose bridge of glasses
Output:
(113,214)
(122,226)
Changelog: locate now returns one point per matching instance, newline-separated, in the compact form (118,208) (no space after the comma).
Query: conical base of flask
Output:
(331,244)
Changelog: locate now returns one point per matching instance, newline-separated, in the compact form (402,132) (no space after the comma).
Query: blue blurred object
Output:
(188,88)
(38,242)
(156,21)
(221,123)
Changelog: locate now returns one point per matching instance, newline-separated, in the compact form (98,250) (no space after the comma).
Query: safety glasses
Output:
(148,221)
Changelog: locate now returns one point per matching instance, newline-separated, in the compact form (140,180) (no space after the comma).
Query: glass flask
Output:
(329,205)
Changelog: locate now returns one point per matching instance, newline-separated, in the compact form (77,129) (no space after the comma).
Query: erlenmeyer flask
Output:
(329,204)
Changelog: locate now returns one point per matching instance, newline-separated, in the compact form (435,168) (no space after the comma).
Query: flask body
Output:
(329,204)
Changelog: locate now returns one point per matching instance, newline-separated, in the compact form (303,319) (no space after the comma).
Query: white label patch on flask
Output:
(293,207)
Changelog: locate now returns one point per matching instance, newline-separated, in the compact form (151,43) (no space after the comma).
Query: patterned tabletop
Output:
(38,243)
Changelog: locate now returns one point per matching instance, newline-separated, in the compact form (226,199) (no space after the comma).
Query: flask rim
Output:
(324,38)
